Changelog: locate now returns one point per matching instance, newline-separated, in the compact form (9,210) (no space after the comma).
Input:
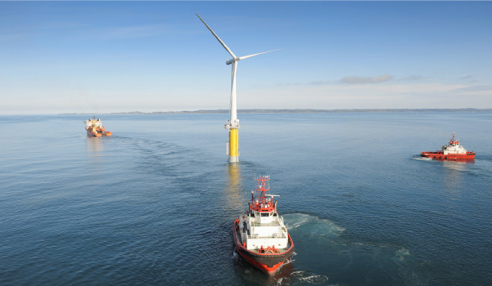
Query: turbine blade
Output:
(220,41)
(245,57)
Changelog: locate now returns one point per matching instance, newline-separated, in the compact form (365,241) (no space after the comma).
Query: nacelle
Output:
(228,62)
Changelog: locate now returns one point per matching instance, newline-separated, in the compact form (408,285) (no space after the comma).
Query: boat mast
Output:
(260,201)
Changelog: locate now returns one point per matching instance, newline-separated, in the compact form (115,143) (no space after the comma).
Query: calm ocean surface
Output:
(155,203)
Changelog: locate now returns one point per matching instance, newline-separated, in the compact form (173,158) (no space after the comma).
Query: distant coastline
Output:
(457,110)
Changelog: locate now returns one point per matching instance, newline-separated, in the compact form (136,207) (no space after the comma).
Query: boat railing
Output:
(282,234)
(273,223)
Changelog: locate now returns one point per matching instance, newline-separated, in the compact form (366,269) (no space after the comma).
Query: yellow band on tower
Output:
(233,143)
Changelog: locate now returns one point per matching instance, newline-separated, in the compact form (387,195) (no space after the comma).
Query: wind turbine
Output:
(233,124)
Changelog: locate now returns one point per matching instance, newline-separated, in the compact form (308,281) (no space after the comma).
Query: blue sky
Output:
(58,57)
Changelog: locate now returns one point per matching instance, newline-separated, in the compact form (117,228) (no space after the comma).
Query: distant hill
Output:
(468,110)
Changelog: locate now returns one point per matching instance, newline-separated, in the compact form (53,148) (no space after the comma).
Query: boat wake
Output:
(290,260)
(422,159)
(323,246)
(308,278)
(315,225)
(402,253)
(299,277)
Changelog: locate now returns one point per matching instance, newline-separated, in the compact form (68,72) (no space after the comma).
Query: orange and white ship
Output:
(452,151)
(260,235)
(95,128)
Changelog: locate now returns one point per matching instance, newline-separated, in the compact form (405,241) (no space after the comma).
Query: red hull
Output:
(98,134)
(440,155)
(267,262)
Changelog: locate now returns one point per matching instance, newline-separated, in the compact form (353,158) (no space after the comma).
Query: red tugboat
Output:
(260,235)
(95,128)
(452,151)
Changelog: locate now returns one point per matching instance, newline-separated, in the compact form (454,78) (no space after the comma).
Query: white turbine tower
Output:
(233,124)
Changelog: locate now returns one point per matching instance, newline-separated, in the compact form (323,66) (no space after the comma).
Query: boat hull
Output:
(266,262)
(98,134)
(440,156)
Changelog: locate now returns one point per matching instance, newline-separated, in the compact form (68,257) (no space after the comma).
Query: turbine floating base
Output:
(233,150)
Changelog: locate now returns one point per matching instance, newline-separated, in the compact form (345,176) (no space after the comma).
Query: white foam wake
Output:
(312,224)
(309,278)
(422,159)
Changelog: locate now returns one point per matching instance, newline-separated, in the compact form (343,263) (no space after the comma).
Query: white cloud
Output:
(387,96)
(360,80)
(414,78)
(480,90)
(468,77)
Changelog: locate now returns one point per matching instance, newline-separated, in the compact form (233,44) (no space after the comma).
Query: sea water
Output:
(155,203)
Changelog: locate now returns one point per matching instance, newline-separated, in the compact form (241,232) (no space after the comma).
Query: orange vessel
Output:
(95,128)
(452,151)
(260,235)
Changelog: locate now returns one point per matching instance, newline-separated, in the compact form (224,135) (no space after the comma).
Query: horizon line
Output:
(288,110)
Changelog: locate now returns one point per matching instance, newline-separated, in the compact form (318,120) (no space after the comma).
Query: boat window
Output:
(265,214)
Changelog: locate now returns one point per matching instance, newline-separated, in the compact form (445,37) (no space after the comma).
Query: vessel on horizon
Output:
(260,235)
(452,151)
(95,128)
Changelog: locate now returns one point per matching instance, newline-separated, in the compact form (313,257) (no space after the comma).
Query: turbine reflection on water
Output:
(95,150)
(234,187)
(94,146)
(454,172)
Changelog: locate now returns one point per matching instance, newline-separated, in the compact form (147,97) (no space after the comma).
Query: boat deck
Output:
(269,224)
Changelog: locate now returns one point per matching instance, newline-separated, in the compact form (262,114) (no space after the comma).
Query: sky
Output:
(102,57)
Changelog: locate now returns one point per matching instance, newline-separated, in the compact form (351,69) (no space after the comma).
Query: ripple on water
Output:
(316,225)
(325,252)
